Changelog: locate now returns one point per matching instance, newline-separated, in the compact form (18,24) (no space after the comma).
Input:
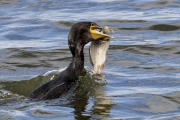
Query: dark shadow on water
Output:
(7,2)
(164,27)
(24,87)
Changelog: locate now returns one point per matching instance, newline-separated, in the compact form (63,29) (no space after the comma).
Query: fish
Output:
(97,53)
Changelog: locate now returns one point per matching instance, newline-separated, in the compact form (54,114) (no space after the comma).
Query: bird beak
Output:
(96,32)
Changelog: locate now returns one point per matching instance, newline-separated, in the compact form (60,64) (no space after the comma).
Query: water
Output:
(142,67)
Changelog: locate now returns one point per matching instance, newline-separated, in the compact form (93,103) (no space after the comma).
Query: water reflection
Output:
(89,92)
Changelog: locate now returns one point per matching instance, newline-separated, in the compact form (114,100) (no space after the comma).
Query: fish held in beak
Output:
(97,52)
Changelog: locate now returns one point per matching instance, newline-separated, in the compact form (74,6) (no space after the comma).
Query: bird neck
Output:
(77,63)
(78,60)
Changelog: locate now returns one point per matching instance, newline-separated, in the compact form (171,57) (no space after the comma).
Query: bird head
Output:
(83,32)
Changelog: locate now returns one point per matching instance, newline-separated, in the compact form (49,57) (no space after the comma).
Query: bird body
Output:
(79,35)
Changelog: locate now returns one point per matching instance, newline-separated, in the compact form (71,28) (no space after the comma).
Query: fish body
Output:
(97,52)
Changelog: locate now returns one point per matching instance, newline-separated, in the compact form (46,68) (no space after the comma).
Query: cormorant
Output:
(80,34)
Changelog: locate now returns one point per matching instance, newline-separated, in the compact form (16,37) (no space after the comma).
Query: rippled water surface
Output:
(142,67)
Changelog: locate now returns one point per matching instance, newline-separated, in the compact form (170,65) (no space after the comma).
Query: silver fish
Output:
(97,52)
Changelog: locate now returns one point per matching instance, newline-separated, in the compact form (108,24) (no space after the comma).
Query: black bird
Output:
(79,35)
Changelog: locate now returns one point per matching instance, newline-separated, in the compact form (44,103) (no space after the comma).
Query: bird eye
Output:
(96,27)
(93,24)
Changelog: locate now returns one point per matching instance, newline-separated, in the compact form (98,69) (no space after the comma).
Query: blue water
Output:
(142,67)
